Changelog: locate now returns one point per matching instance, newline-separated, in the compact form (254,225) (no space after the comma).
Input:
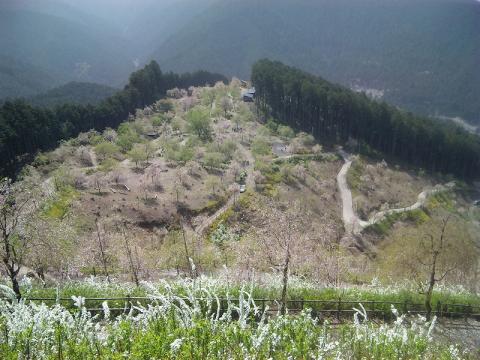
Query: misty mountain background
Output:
(421,55)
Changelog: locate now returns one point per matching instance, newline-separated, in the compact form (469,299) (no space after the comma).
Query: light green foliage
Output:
(245,113)
(95,139)
(416,217)
(225,150)
(108,165)
(137,154)
(41,159)
(207,96)
(286,132)
(287,174)
(177,152)
(199,123)
(222,235)
(355,173)
(58,206)
(260,146)
(106,150)
(214,159)
(308,139)
(127,137)
(159,120)
(272,125)
(177,124)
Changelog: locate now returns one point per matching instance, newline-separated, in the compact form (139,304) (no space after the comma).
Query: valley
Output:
(170,179)
(225,179)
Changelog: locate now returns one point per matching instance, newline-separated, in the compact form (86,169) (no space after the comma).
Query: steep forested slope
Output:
(421,54)
(336,114)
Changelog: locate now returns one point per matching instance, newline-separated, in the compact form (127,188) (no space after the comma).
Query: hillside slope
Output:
(417,54)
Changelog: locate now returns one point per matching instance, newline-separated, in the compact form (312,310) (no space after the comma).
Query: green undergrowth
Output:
(382,228)
(58,207)
(354,175)
(352,295)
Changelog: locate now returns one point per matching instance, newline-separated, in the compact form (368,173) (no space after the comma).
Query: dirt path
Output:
(250,183)
(421,200)
(353,224)
(350,219)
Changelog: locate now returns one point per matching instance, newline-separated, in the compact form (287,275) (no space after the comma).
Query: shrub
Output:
(199,123)
(214,159)
(286,132)
(260,146)
(158,120)
(106,149)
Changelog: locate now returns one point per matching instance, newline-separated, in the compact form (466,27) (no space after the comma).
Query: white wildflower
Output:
(78,301)
(176,344)
(106,310)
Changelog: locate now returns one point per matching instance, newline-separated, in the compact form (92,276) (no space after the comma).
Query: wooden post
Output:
(338,308)
(129,303)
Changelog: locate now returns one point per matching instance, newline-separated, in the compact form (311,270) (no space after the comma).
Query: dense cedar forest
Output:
(25,130)
(336,114)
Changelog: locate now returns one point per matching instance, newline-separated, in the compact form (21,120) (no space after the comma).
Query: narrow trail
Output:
(352,223)
(250,183)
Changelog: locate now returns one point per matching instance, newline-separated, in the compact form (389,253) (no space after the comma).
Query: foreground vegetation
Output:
(180,327)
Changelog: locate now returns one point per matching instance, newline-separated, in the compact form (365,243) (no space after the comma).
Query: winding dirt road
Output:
(352,223)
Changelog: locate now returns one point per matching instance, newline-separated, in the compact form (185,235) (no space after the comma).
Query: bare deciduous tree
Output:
(226,104)
(434,248)
(14,205)
(102,247)
(279,240)
(132,261)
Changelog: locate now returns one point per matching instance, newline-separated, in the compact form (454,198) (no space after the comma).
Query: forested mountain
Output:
(44,51)
(25,129)
(20,79)
(421,54)
(417,54)
(336,114)
(73,93)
